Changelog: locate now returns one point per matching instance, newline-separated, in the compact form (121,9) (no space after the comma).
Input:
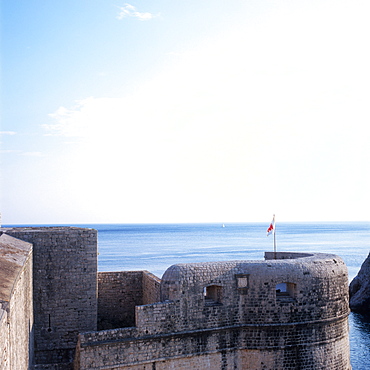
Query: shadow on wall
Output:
(120,292)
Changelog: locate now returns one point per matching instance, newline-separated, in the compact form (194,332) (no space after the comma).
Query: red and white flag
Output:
(271,228)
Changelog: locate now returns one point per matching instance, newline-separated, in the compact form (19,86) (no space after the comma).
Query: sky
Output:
(184,111)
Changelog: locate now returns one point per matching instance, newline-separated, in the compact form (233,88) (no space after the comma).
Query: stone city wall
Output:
(293,309)
(288,312)
(151,288)
(247,293)
(306,346)
(16,304)
(4,340)
(65,289)
(120,292)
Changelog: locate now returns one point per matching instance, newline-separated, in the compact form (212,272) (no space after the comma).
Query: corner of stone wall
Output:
(151,288)
(120,292)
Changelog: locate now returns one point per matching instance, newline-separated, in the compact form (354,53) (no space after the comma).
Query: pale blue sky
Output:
(184,111)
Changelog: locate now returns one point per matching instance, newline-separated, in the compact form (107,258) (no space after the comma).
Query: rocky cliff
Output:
(359,289)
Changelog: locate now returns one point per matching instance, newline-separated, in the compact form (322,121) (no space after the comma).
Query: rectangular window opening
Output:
(286,291)
(213,295)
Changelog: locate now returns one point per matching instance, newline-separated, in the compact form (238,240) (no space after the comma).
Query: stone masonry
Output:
(284,313)
(120,292)
(16,304)
(288,311)
(64,288)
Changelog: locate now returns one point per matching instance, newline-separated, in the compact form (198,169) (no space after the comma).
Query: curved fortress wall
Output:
(284,313)
(64,288)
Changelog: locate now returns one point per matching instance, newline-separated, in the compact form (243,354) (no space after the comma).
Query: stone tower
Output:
(64,288)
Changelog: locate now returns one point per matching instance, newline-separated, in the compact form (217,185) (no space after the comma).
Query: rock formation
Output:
(359,289)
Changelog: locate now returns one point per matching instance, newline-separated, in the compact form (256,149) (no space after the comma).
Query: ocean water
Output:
(155,247)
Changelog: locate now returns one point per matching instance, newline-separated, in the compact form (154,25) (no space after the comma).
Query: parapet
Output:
(16,304)
(286,255)
(285,289)
(13,257)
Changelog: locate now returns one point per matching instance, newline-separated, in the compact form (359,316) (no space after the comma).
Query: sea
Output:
(155,247)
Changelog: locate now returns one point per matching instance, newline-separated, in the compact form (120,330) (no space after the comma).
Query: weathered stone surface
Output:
(13,256)
(16,304)
(284,313)
(64,288)
(287,312)
(120,292)
(359,289)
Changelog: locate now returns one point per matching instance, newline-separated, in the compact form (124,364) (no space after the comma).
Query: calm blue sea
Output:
(155,247)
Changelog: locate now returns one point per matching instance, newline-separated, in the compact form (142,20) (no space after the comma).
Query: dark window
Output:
(285,291)
(213,295)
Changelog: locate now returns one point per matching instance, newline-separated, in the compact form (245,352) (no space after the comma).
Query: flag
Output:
(271,228)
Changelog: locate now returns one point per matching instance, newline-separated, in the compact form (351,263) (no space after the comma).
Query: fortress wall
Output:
(158,317)
(16,321)
(4,340)
(207,361)
(247,293)
(118,294)
(151,288)
(64,288)
(20,317)
(300,328)
(298,346)
(287,313)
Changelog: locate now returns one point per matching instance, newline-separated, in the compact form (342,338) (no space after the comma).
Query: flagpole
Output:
(274,238)
(271,229)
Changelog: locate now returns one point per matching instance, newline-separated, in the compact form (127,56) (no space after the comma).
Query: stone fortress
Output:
(58,312)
